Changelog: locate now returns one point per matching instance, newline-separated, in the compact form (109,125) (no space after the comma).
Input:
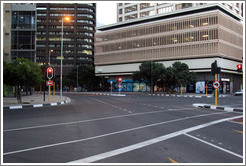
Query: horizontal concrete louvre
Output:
(160,27)
(231,38)
(227,22)
(182,51)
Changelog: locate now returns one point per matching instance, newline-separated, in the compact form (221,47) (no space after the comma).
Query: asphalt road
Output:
(130,129)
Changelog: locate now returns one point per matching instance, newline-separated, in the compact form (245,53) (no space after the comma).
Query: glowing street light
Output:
(66,19)
(49,55)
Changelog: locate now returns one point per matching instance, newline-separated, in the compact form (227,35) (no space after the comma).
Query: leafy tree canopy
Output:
(21,72)
(157,74)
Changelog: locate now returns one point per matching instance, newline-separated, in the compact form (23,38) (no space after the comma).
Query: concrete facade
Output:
(196,36)
(133,11)
(7,32)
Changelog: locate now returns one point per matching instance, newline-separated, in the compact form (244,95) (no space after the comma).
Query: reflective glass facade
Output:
(78,33)
(23,27)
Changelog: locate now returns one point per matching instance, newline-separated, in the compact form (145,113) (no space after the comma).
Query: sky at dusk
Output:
(106,13)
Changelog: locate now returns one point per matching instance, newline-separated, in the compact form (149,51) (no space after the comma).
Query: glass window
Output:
(23,20)
(23,40)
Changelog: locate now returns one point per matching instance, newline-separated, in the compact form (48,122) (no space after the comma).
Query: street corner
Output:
(213,107)
(37,105)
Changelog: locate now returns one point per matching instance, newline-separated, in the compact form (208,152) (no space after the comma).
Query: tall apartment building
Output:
(196,36)
(19,30)
(132,11)
(78,36)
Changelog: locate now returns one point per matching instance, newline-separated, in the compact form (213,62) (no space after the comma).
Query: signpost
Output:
(120,81)
(214,71)
(216,85)
(49,76)
(111,83)
(49,83)
(120,88)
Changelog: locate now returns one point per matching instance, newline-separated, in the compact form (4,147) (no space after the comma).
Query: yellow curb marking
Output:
(238,131)
(173,161)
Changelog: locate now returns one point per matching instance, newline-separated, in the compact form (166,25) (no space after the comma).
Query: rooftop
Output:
(173,14)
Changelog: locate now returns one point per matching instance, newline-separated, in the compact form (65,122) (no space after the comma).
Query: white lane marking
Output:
(38,105)
(15,107)
(213,107)
(108,134)
(228,109)
(236,122)
(225,150)
(146,143)
(91,120)
(53,104)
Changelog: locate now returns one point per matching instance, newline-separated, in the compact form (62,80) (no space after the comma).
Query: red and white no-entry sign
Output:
(49,83)
(216,84)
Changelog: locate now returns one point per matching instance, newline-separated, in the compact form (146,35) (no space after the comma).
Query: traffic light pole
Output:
(49,92)
(215,91)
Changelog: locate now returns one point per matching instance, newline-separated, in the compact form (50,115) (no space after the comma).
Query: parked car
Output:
(238,93)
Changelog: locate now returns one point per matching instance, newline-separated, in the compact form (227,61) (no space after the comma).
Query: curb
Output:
(229,109)
(97,93)
(34,105)
(188,96)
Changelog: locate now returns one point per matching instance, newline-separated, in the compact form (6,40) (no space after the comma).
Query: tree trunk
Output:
(19,96)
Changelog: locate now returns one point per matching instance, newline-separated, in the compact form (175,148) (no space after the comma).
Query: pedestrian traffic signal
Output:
(120,80)
(49,73)
(239,68)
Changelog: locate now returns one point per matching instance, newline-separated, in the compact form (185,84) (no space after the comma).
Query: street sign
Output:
(120,89)
(216,84)
(49,83)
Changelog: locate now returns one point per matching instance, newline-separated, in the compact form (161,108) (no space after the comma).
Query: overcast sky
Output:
(106,13)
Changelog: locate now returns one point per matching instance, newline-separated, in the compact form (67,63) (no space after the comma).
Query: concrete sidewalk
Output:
(35,100)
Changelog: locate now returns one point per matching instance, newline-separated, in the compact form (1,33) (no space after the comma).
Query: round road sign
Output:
(216,84)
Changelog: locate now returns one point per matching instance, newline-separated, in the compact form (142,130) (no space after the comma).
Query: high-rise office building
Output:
(196,36)
(78,34)
(132,11)
(19,31)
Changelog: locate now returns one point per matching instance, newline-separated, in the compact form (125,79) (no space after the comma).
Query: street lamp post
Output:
(61,61)
(62,56)
(49,55)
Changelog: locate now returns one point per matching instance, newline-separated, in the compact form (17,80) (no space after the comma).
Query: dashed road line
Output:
(119,132)
(236,122)
(150,142)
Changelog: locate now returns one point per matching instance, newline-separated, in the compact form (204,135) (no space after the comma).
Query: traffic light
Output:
(239,68)
(120,80)
(213,68)
(49,73)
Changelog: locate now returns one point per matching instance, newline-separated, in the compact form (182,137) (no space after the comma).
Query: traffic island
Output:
(213,107)
(34,101)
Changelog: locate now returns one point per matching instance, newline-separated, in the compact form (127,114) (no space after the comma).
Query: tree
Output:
(178,74)
(86,78)
(150,72)
(21,72)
